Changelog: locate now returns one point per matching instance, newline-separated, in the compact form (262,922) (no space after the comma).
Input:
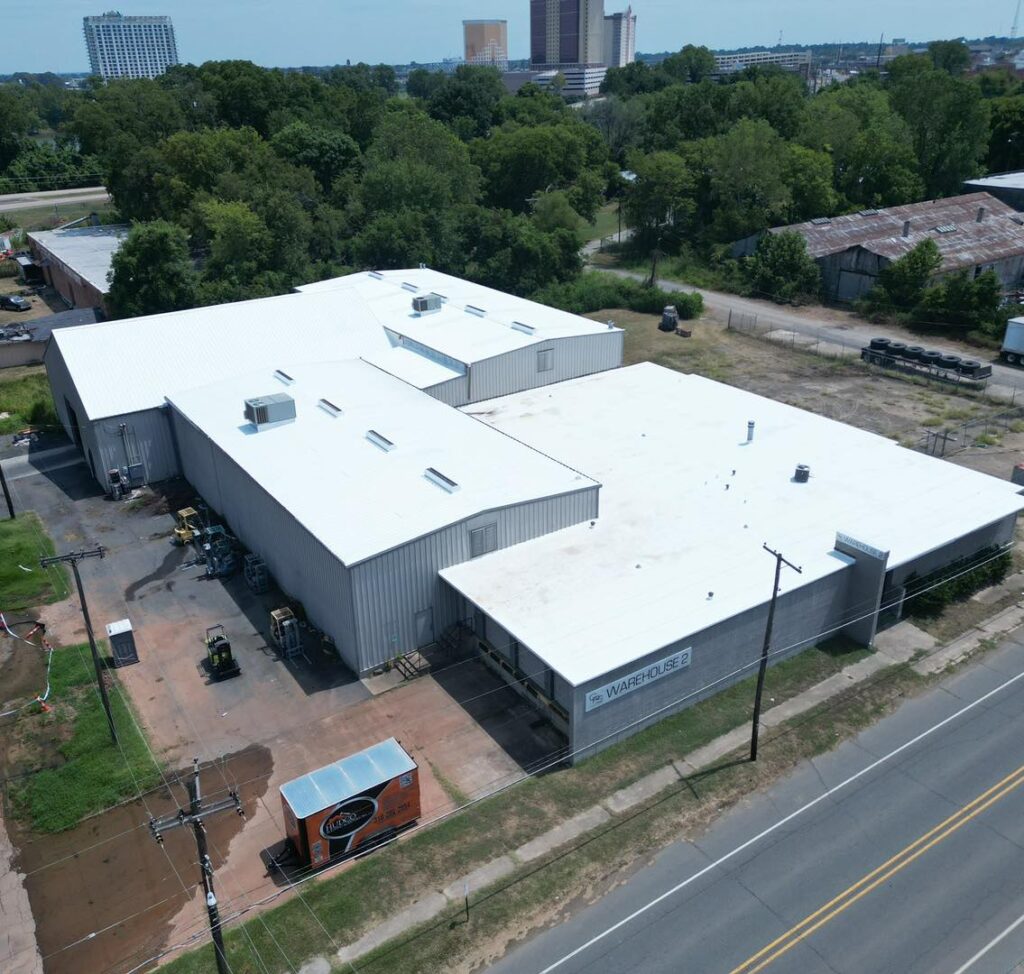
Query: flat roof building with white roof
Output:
(598,529)
(76,261)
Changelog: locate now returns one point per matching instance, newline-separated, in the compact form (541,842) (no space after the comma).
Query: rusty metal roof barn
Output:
(970,230)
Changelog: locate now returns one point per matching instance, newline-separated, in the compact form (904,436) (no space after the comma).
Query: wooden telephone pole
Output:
(779,562)
(194,817)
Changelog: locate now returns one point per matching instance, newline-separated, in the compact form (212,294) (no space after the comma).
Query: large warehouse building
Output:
(487,465)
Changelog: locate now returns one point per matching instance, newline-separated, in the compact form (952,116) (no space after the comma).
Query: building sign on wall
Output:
(861,546)
(675,663)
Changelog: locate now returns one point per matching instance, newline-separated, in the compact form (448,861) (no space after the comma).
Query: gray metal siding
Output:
(390,589)
(303,567)
(718,652)
(573,357)
(149,439)
(454,392)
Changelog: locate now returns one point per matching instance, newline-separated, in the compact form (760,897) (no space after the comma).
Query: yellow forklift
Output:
(188,528)
(220,662)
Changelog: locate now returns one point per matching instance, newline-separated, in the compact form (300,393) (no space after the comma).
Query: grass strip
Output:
(23,583)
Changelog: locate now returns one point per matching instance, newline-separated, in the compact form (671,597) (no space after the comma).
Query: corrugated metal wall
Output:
(146,438)
(454,392)
(516,371)
(300,564)
(392,589)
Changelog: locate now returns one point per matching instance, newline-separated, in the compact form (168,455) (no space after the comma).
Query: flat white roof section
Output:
(128,365)
(358,499)
(1008,180)
(686,503)
(85,251)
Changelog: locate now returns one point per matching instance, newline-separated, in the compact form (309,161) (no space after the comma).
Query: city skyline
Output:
(254,30)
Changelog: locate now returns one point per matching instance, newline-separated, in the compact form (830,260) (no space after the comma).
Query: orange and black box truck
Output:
(360,800)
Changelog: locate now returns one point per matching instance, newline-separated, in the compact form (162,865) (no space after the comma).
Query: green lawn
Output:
(27,398)
(605,225)
(91,773)
(48,217)
(23,542)
(375,887)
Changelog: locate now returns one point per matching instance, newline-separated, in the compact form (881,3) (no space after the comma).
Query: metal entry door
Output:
(424,628)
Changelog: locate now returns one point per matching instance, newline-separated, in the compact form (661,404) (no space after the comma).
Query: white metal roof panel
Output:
(1004,180)
(686,504)
(360,500)
(346,778)
(85,251)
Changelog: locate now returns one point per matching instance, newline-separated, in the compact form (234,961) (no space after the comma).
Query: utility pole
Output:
(7,493)
(74,557)
(779,562)
(194,817)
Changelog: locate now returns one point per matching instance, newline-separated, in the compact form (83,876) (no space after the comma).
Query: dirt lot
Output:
(467,730)
(47,302)
(841,388)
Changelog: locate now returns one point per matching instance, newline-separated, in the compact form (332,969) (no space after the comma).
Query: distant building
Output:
(485,43)
(974,233)
(75,261)
(620,39)
(797,61)
(1005,186)
(129,47)
(566,32)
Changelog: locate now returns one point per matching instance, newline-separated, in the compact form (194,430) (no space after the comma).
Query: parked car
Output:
(14,302)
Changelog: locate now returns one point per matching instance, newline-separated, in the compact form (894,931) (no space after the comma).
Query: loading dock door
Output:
(424,628)
(76,433)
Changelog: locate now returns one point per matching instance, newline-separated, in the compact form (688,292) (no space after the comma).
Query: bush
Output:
(594,291)
(8,268)
(924,601)
(781,269)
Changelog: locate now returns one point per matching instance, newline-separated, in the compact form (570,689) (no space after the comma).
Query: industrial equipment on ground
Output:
(220,660)
(218,551)
(117,486)
(256,575)
(122,643)
(284,630)
(189,525)
(669,318)
(356,803)
(917,360)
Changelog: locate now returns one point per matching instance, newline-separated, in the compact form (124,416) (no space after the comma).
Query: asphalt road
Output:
(852,333)
(60,197)
(895,853)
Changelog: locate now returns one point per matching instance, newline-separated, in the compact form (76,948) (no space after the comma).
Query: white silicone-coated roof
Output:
(686,504)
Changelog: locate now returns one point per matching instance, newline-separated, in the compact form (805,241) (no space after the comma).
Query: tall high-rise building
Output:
(129,47)
(566,32)
(620,38)
(486,42)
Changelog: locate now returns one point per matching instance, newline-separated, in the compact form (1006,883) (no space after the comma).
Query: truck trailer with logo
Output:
(354,804)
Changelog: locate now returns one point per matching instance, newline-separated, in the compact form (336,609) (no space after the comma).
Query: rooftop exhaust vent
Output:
(425,304)
(473,310)
(376,275)
(283,377)
(821,221)
(946,228)
(328,407)
(440,480)
(524,328)
(270,410)
(380,441)
(869,212)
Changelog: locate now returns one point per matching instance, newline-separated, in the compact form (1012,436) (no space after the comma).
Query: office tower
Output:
(620,39)
(486,43)
(129,47)
(566,32)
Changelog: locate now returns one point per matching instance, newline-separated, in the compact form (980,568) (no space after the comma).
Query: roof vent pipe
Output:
(750,431)
(906,228)
(981,214)
(803,473)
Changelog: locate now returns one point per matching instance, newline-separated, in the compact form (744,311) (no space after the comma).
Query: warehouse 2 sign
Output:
(675,663)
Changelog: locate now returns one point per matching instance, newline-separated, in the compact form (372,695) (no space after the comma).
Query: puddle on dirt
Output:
(171,563)
(109,877)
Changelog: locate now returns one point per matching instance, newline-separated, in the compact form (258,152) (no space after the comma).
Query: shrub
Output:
(925,601)
(782,270)
(8,268)
(594,291)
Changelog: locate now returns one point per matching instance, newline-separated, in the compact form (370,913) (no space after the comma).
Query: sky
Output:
(319,32)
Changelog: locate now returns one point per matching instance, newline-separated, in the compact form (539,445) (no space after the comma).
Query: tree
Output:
(1006,142)
(468,99)
(152,272)
(239,242)
(637,78)
(779,97)
(953,57)
(553,211)
(659,204)
(692,64)
(902,283)
(782,270)
(422,83)
(328,153)
(809,176)
(682,113)
(966,301)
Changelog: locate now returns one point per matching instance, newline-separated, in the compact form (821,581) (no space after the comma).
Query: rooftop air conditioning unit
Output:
(424,304)
(269,410)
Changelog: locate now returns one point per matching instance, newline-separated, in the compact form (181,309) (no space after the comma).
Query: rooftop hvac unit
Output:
(267,410)
(424,304)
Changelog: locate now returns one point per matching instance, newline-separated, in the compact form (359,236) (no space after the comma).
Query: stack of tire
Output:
(919,355)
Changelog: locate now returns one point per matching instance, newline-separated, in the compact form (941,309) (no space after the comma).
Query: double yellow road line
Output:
(816,920)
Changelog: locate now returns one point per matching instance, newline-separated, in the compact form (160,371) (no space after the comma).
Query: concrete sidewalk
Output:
(900,644)
(19,953)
